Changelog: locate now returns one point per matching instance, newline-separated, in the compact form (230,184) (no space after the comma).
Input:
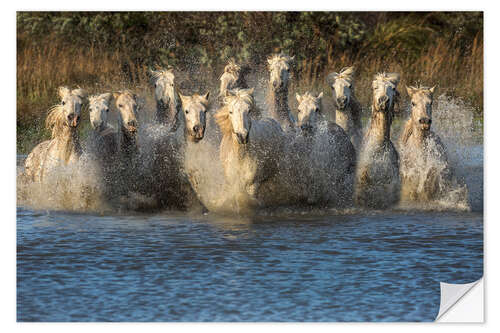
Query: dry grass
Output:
(43,68)
(442,64)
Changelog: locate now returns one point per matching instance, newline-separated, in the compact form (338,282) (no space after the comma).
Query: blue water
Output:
(166,267)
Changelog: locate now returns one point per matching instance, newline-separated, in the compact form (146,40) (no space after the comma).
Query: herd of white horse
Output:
(280,160)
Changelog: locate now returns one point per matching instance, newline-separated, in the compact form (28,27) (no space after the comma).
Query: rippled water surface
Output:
(163,267)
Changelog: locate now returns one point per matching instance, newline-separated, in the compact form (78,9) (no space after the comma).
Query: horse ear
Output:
(347,71)
(116,94)
(330,79)
(82,93)
(292,58)
(410,90)
(63,91)
(394,78)
(183,98)
(206,96)
(432,90)
(298,97)
(250,91)
(320,96)
(107,97)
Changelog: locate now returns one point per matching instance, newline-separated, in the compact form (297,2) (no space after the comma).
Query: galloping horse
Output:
(249,150)
(279,71)
(348,109)
(425,171)
(377,176)
(64,146)
(167,103)
(321,159)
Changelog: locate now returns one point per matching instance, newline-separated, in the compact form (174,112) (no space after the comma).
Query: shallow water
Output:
(349,266)
(359,267)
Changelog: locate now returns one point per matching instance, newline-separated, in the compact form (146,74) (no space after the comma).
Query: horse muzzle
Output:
(425,123)
(341,103)
(74,123)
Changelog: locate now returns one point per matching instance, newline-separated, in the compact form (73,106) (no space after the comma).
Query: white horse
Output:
(232,78)
(279,71)
(64,146)
(167,102)
(348,109)
(103,137)
(171,171)
(249,151)
(426,174)
(377,176)
(320,160)
(126,106)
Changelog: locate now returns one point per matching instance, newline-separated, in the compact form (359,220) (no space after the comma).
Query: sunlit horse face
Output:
(126,104)
(309,112)
(240,103)
(72,102)
(99,109)
(229,78)
(279,69)
(421,106)
(384,91)
(194,109)
(164,86)
(342,87)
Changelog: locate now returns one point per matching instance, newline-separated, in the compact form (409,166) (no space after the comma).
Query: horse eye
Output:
(63,102)
(120,105)
(156,85)
(107,110)
(412,104)
(187,111)
(317,109)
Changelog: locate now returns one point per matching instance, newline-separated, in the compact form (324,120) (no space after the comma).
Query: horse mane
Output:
(392,77)
(55,120)
(346,73)
(407,131)
(222,120)
(155,74)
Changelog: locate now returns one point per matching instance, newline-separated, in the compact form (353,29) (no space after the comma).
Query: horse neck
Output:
(68,142)
(380,127)
(418,137)
(343,118)
(279,107)
(167,113)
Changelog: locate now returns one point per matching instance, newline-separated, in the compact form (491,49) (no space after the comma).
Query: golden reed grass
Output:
(43,68)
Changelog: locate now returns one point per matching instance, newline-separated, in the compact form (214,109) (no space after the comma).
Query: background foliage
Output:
(111,50)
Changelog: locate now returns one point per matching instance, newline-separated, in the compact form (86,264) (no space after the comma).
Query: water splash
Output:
(171,174)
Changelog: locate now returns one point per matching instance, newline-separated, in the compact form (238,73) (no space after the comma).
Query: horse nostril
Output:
(196,128)
(426,121)
(70,116)
(131,123)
